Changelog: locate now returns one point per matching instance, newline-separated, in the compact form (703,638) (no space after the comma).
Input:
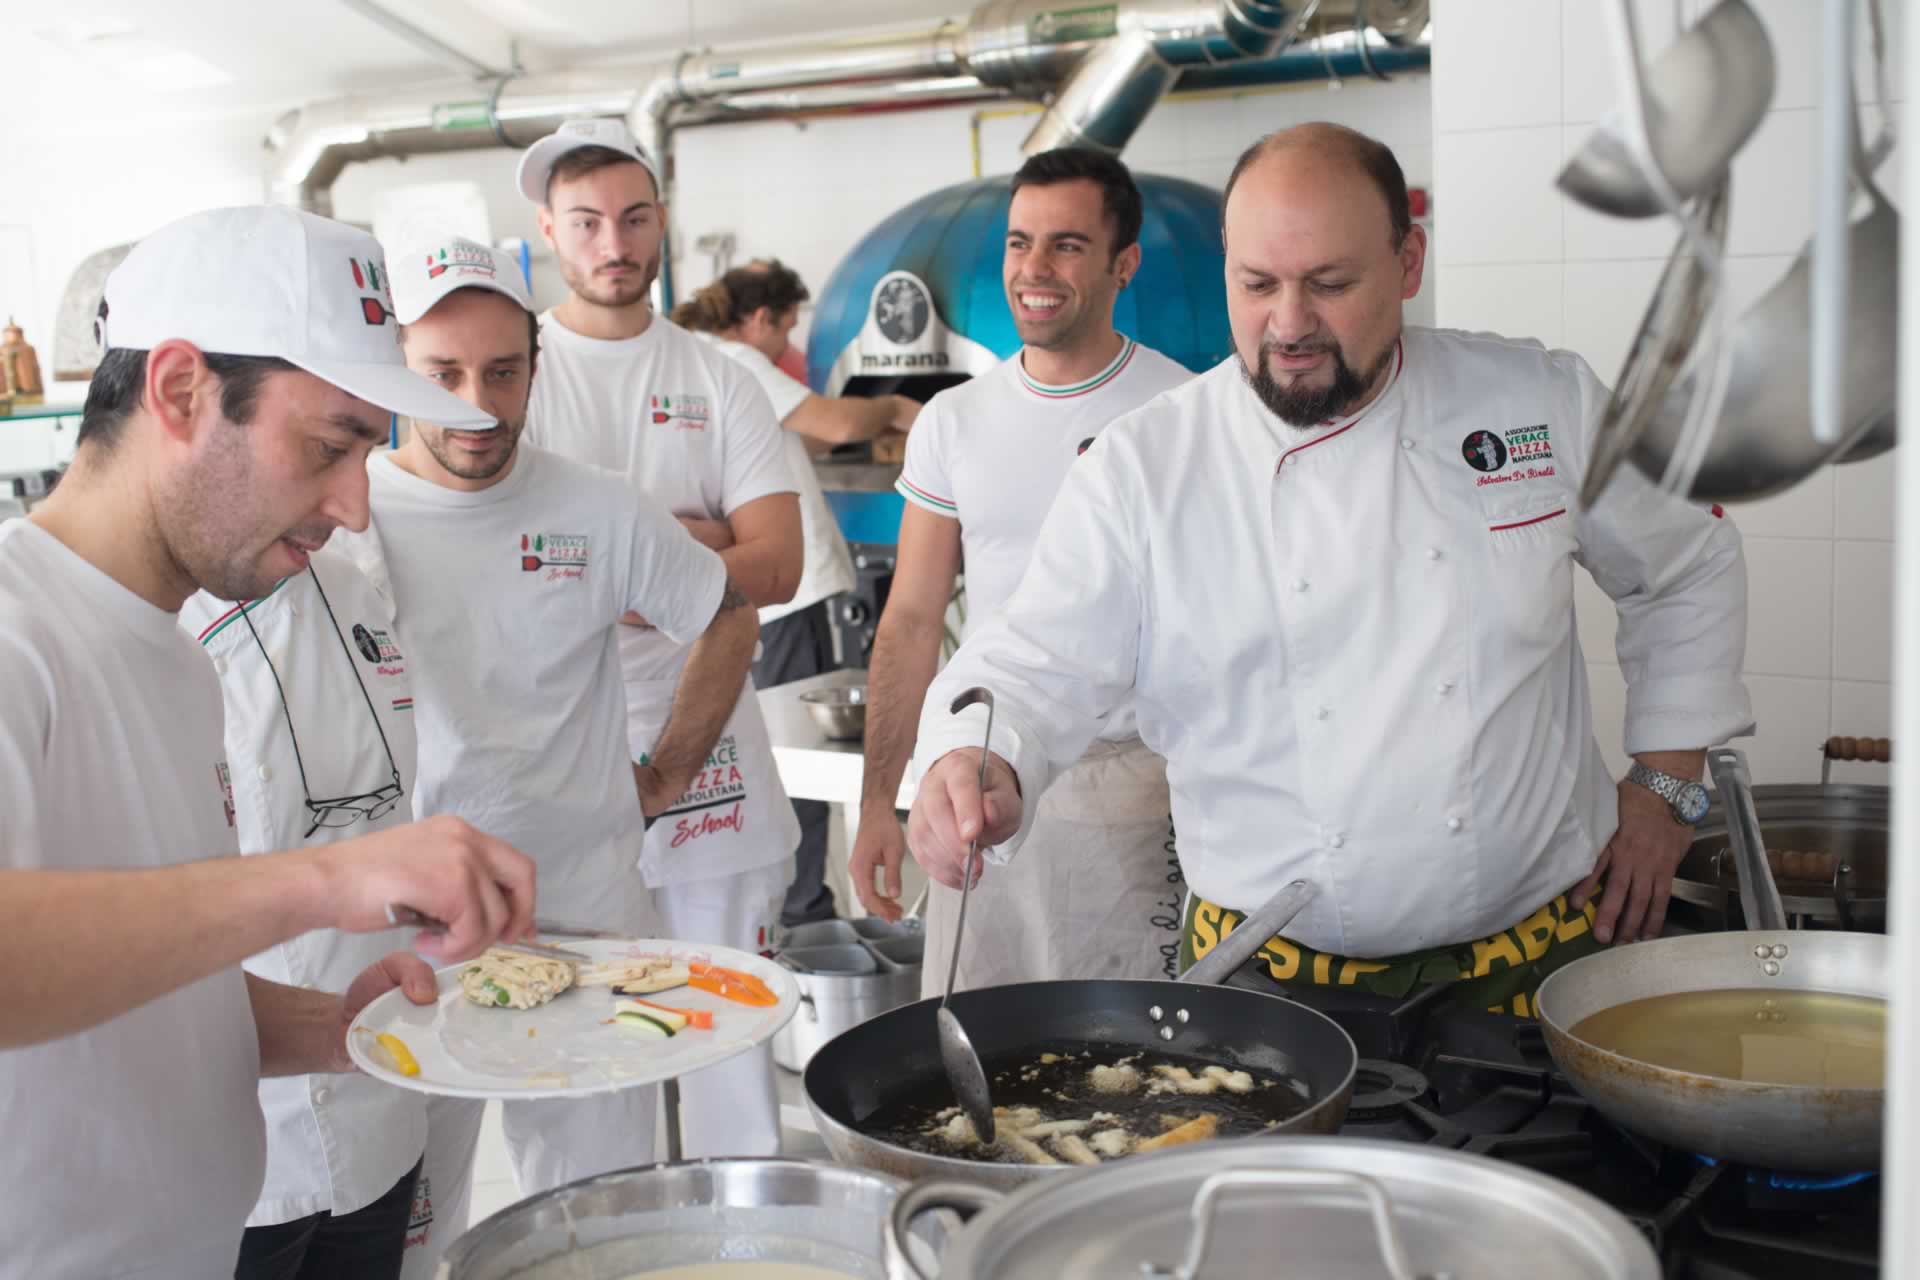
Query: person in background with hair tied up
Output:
(748,313)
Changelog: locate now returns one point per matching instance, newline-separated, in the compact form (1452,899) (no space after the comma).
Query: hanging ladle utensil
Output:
(964,1072)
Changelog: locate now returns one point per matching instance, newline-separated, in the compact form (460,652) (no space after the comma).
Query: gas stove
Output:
(1472,1081)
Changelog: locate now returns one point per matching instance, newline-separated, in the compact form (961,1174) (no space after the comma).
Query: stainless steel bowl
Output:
(841,713)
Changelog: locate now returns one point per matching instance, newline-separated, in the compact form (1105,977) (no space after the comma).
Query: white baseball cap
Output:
(431,272)
(536,165)
(267,280)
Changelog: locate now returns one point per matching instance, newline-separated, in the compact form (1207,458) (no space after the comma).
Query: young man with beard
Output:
(628,390)
(508,568)
(748,313)
(250,365)
(1350,628)
(1099,898)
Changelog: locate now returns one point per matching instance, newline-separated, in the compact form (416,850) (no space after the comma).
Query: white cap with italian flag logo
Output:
(266,280)
(431,272)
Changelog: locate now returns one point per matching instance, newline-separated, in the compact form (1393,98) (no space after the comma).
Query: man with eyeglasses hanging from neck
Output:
(320,748)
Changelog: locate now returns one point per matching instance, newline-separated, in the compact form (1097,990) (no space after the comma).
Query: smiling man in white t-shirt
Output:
(625,389)
(250,365)
(1103,899)
(509,568)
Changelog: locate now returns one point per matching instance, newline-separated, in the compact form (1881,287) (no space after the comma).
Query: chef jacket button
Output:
(1454,824)
(266,773)
(1287,461)
(322,1096)
(1336,840)
(1321,713)
(1300,584)
(1406,442)
(1434,553)
(1444,688)
(219,666)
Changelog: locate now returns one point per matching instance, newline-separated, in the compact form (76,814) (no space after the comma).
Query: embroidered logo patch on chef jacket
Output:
(222,776)
(376,646)
(1523,453)
(688,413)
(561,556)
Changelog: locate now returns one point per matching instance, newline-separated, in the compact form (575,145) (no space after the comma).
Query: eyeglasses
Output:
(342,811)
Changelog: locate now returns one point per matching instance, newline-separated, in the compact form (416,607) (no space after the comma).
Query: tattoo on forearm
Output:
(732,598)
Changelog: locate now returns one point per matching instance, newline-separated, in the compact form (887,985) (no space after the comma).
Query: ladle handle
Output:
(1759,896)
(1249,936)
(1876,750)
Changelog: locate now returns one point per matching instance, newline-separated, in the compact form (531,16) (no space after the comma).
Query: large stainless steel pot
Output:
(640,1220)
(1798,1127)
(848,971)
(1321,1207)
(1827,850)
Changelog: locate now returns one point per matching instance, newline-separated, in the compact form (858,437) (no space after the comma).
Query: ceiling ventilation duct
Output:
(1100,67)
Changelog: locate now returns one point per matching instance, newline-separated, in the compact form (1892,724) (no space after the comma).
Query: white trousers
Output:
(733,1108)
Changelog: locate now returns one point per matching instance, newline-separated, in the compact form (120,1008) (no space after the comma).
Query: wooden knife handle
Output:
(1801,865)
(1876,750)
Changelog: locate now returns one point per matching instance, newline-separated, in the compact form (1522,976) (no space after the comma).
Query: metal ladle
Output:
(1698,106)
(964,1072)
(1762,439)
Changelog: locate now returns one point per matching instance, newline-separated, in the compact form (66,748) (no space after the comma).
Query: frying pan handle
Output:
(1379,1206)
(1238,947)
(963,1198)
(1879,750)
(1759,896)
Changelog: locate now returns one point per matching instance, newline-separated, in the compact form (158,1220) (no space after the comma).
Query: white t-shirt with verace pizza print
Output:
(507,601)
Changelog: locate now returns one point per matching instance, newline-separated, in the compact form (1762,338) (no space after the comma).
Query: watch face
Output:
(1691,803)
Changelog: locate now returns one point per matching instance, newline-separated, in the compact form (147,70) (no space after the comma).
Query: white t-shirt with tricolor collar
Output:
(506,600)
(992,453)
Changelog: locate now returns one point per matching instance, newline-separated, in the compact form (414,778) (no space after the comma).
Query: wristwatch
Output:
(1687,800)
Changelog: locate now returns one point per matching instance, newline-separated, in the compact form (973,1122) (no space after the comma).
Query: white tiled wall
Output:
(1517,86)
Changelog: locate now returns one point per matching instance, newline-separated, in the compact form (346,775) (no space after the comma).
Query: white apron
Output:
(735,817)
(1095,892)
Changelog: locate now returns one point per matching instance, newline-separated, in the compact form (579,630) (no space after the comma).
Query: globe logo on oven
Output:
(901,308)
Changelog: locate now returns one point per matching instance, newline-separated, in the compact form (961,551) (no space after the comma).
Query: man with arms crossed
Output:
(250,366)
(628,390)
(983,464)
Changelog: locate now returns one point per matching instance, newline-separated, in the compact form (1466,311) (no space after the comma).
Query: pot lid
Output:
(1321,1207)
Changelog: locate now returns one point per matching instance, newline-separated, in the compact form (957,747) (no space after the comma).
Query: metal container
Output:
(1320,1207)
(844,979)
(841,713)
(1828,850)
(671,1215)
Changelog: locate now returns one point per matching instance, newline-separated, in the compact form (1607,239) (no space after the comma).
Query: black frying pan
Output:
(895,1058)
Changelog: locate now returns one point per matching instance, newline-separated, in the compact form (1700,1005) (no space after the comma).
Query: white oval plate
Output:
(566,1048)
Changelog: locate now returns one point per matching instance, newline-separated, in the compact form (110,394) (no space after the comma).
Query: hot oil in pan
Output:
(1763,1037)
(1059,1086)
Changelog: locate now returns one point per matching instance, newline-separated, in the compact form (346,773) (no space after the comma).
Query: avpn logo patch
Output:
(1484,451)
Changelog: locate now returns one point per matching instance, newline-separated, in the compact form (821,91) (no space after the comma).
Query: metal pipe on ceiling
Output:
(1100,68)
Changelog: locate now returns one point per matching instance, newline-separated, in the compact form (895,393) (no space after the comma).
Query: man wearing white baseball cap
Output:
(251,363)
(628,390)
(509,568)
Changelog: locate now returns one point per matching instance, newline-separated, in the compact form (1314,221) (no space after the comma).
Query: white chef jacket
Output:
(1355,644)
(338,1142)
(508,597)
(689,429)
(828,568)
(135,1147)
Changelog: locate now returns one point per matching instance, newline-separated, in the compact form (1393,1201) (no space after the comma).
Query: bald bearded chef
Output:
(1335,577)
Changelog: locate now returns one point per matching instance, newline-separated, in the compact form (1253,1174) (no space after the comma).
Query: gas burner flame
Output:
(1782,1181)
